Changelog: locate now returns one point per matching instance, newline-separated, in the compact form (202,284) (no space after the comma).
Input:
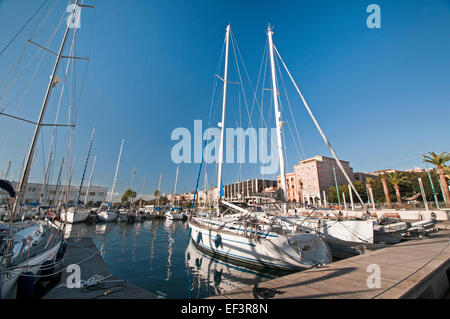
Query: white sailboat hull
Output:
(299,251)
(346,230)
(174,216)
(107,216)
(75,217)
(390,233)
(9,288)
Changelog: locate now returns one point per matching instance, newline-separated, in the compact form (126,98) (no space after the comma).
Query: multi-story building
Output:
(292,187)
(97,194)
(384,171)
(360,176)
(211,196)
(241,190)
(204,197)
(312,177)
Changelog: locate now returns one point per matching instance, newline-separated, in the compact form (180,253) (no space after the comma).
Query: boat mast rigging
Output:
(277,113)
(222,123)
(90,180)
(85,166)
(26,172)
(175,187)
(115,175)
(321,132)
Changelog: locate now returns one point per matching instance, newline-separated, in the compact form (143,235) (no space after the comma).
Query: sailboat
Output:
(109,214)
(26,247)
(251,237)
(175,212)
(75,214)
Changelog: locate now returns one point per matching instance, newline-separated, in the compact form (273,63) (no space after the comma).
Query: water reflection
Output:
(169,225)
(219,275)
(157,256)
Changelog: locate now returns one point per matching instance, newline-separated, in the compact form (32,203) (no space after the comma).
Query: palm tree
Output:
(129,194)
(396,179)
(300,191)
(439,161)
(386,191)
(369,182)
(156,194)
(447,171)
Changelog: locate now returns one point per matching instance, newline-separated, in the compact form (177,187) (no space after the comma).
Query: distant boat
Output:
(109,215)
(390,233)
(73,215)
(175,213)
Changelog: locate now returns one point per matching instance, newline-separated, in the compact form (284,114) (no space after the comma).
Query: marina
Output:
(127,262)
(411,270)
(256,210)
(155,256)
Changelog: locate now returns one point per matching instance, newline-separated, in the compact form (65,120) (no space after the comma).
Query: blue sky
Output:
(381,95)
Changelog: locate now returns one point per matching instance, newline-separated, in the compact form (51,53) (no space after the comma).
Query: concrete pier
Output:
(412,269)
(83,252)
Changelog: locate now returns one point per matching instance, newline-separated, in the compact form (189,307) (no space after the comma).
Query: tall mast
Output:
(176,180)
(23,182)
(90,180)
(222,124)
(277,113)
(206,188)
(46,173)
(26,172)
(133,172)
(117,170)
(58,182)
(5,173)
(85,166)
(142,190)
(159,187)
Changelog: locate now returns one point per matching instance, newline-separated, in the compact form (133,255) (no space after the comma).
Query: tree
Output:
(157,194)
(279,195)
(386,191)
(128,195)
(300,191)
(439,161)
(447,171)
(369,182)
(396,179)
(359,186)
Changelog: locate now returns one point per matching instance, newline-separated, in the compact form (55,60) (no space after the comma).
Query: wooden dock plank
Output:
(82,251)
(402,267)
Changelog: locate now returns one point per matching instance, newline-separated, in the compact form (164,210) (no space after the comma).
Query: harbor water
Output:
(157,256)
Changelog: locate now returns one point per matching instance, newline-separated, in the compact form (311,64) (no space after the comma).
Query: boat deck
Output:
(82,251)
(413,269)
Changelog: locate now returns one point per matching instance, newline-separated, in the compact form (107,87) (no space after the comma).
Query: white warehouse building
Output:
(97,194)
